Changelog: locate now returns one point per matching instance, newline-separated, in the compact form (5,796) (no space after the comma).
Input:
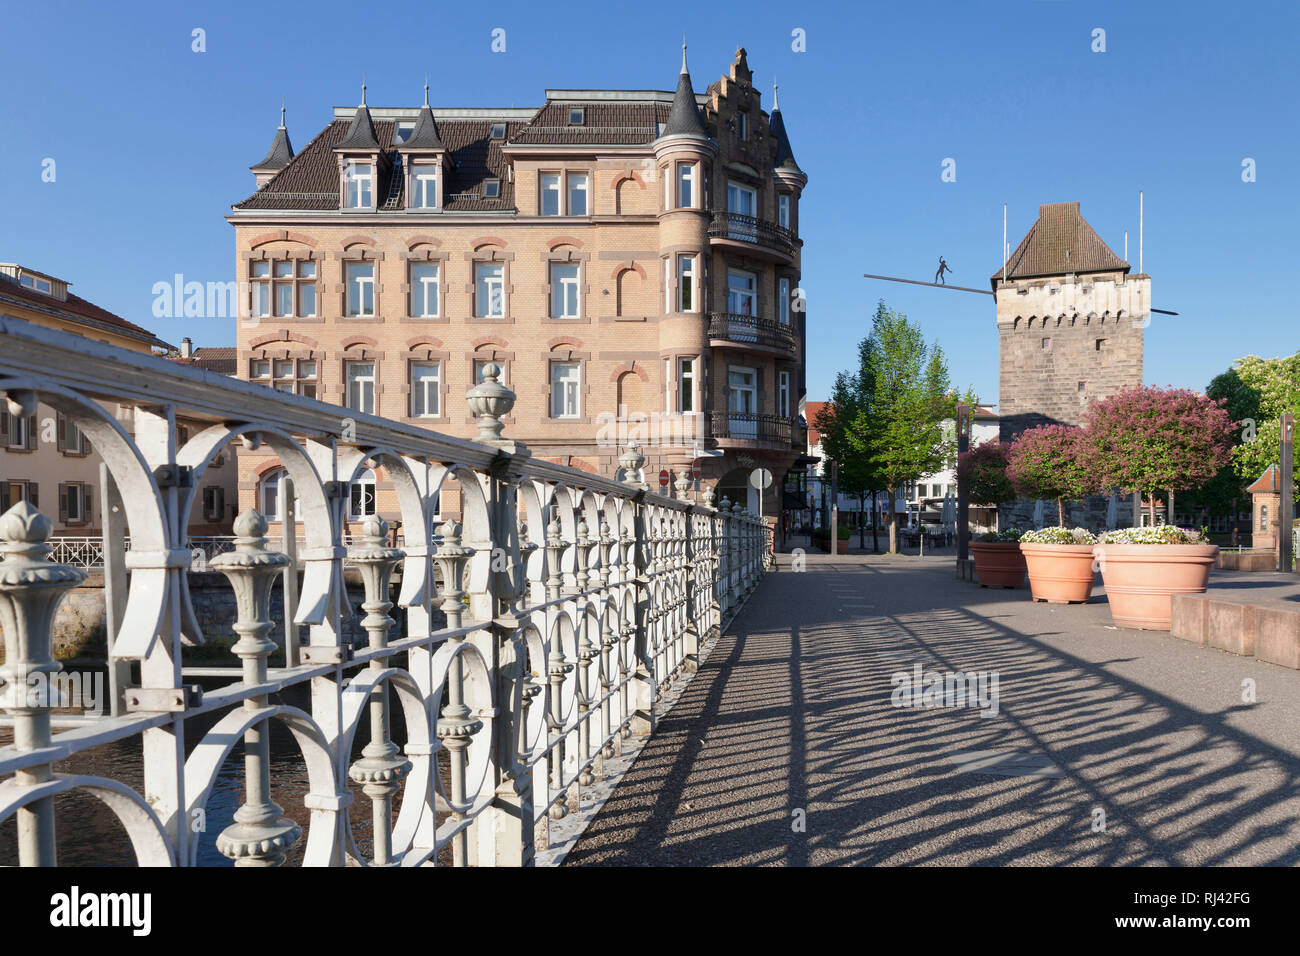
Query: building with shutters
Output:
(628,259)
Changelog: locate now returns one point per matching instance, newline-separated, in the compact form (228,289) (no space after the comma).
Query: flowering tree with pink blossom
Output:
(984,469)
(1151,439)
(1052,462)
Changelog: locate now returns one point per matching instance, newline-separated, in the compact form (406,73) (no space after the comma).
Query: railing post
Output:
(587,651)
(31,589)
(608,641)
(557,666)
(456,726)
(643,717)
(260,835)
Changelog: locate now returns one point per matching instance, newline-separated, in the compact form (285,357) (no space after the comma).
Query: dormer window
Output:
(424,186)
(498,131)
(37,283)
(492,188)
(403,131)
(360,181)
(577,116)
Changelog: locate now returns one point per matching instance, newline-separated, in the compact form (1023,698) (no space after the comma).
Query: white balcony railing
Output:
(568,602)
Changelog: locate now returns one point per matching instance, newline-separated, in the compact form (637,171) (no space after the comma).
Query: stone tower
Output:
(1070,320)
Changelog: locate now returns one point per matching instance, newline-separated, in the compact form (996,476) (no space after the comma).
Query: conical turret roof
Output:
(684,117)
(784,154)
(425,135)
(361,134)
(281,151)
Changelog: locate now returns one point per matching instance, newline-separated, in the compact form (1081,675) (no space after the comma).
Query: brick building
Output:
(629,259)
(1070,317)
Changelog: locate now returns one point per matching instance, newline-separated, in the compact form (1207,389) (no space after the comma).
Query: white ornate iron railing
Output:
(87,551)
(570,602)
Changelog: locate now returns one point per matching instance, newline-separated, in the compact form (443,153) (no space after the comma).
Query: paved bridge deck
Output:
(790,720)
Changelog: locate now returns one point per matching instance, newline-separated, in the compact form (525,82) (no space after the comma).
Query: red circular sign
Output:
(663,478)
(696,471)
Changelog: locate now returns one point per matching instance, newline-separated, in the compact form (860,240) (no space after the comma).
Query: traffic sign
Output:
(760,478)
(696,471)
(663,478)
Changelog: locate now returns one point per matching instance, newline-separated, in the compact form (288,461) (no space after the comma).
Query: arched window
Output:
(1263,517)
(361,496)
(270,492)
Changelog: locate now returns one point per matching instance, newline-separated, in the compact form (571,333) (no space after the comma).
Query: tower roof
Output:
(684,117)
(1059,243)
(425,135)
(361,134)
(784,154)
(281,151)
(1271,480)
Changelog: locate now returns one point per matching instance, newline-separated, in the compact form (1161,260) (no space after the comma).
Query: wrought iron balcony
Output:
(737,228)
(754,427)
(751,330)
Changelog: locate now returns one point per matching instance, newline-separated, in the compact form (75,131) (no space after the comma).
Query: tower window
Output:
(1101,343)
(1083,387)
(1047,342)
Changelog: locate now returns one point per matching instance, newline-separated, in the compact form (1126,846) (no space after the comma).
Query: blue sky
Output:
(152,141)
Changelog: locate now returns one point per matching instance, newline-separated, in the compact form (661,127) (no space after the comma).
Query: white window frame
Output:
(426,291)
(744,296)
(275,479)
(424,185)
(742,427)
(550,184)
(367,479)
(356,384)
(687,270)
(426,391)
(358,184)
(566,383)
(783,300)
(364,284)
(686,185)
(783,211)
(566,292)
(686,379)
(483,290)
(575,183)
(259,287)
(783,394)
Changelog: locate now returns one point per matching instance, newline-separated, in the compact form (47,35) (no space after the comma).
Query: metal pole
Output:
(1140,272)
(1287,508)
(835,508)
(964,414)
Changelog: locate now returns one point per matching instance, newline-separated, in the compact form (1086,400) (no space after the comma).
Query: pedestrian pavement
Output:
(1108,747)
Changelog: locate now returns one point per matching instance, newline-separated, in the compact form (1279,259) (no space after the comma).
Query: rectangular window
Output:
(283,369)
(685,283)
(361,386)
(685,185)
(577,194)
(306,288)
(260,305)
(742,125)
(1047,342)
(259,368)
(491,188)
(424,290)
(686,385)
(72,501)
(1100,344)
(426,389)
(741,403)
(783,394)
(498,131)
(565,377)
(489,290)
(360,289)
(783,211)
(783,300)
(424,186)
(577,116)
(306,382)
(550,189)
(741,298)
(214,503)
(359,178)
(564,290)
(480,364)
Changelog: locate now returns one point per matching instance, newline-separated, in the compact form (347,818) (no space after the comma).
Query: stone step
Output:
(1268,630)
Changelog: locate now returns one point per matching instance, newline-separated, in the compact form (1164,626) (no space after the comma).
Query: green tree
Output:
(845,425)
(1259,390)
(911,396)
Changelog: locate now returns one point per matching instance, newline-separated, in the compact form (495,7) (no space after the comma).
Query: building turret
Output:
(361,161)
(277,157)
(425,162)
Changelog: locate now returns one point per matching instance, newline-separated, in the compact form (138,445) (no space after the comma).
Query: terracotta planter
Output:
(998,564)
(1060,573)
(1142,579)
